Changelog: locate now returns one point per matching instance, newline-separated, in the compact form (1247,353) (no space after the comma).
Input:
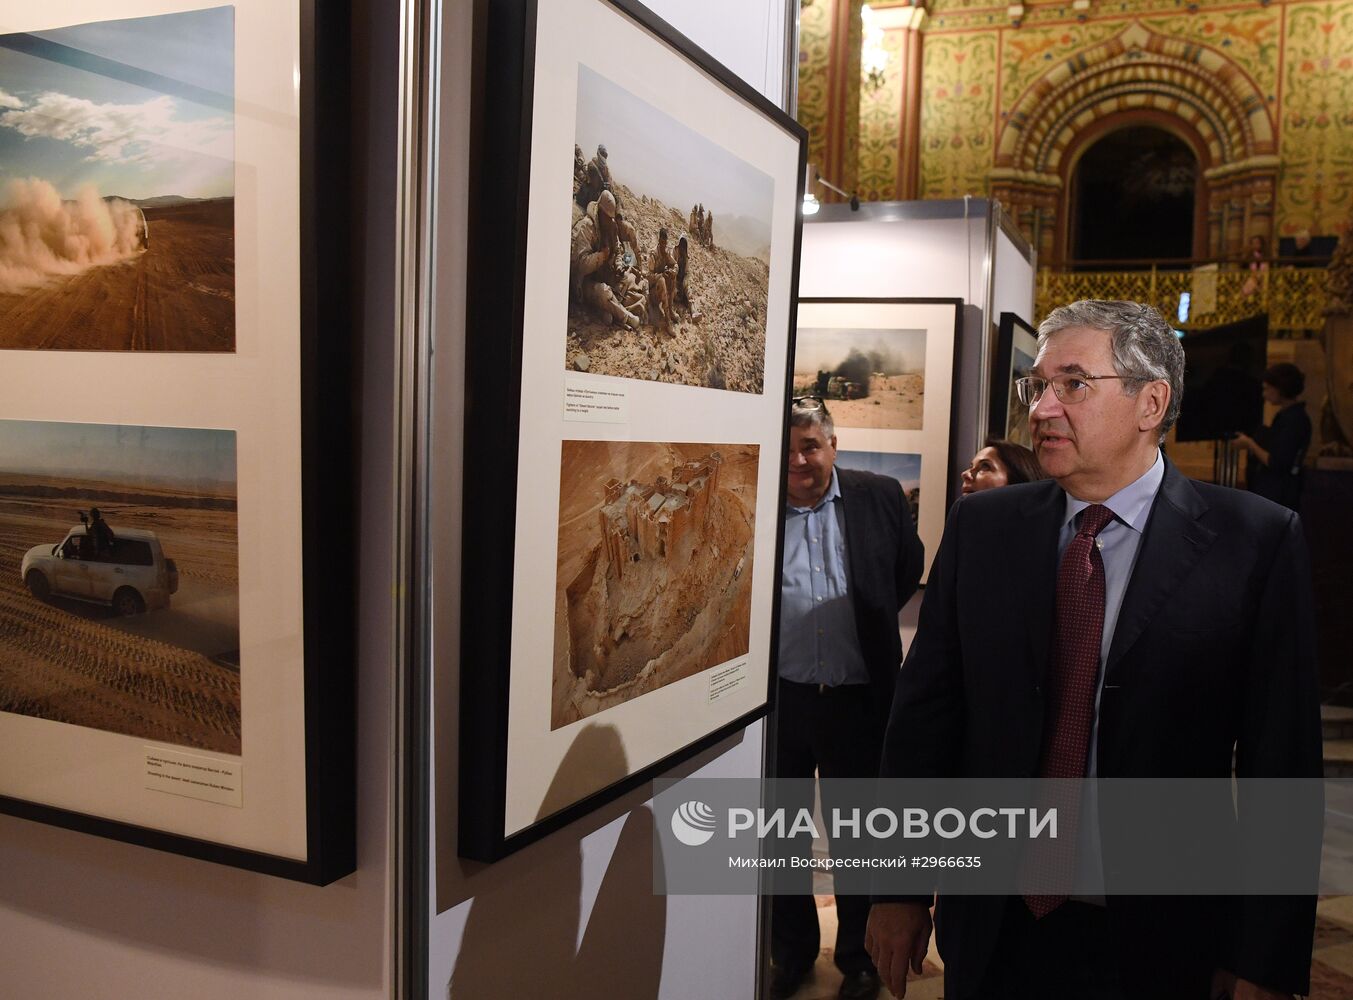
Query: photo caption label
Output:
(211,779)
(725,680)
(598,404)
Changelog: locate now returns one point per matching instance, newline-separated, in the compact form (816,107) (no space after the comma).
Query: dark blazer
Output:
(885,559)
(1213,650)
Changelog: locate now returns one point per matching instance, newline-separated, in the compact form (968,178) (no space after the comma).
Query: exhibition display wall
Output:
(582,895)
(87,916)
(964,249)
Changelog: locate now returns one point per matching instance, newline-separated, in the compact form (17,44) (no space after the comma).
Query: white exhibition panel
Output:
(1014,291)
(595,36)
(254,392)
(912,258)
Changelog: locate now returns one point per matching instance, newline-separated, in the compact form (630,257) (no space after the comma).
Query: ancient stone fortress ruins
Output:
(650,521)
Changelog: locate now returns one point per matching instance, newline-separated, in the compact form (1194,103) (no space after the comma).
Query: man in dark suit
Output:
(851,560)
(1119,621)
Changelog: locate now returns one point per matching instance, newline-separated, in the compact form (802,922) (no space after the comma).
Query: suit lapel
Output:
(856,535)
(1171,545)
(1036,566)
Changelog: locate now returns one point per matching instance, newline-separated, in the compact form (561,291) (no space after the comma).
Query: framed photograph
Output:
(885,369)
(1016,349)
(176,542)
(630,318)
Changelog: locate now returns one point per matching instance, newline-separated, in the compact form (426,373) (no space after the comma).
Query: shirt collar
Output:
(1131,504)
(833,493)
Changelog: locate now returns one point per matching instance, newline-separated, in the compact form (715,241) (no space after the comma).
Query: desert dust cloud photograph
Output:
(669,256)
(654,576)
(117,185)
(119,580)
(872,379)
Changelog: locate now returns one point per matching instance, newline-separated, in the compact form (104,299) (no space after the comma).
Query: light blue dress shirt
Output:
(819,642)
(1118,544)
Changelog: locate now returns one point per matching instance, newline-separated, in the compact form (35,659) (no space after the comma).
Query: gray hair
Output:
(1145,347)
(799,417)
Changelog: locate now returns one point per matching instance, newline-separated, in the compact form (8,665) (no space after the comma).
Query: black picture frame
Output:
(325,514)
(1014,337)
(501,136)
(873,448)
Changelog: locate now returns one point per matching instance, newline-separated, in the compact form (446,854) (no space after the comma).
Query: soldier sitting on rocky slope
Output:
(662,281)
(594,274)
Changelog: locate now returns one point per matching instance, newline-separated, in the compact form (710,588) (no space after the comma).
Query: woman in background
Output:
(1001,463)
(1278,451)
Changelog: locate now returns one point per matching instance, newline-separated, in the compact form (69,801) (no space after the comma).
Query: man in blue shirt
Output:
(851,560)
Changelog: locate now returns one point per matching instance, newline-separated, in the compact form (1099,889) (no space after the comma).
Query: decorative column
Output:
(909,124)
(829,88)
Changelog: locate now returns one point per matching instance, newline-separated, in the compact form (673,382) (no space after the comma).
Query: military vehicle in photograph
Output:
(129,572)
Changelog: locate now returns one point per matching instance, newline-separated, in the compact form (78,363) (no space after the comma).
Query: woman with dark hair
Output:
(1278,451)
(1001,463)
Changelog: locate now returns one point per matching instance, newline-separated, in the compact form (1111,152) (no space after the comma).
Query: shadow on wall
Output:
(522,933)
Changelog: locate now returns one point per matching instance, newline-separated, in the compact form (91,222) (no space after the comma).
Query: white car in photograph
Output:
(132,577)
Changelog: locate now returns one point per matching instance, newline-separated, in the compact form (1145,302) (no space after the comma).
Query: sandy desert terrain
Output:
(895,402)
(179,295)
(674,619)
(169,675)
(720,342)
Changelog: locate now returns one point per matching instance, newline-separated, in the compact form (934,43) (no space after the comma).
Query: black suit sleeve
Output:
(925,727)
(1280,738)
(910,556)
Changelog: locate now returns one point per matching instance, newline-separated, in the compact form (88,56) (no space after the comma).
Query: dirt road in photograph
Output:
(169,675)
(179,295)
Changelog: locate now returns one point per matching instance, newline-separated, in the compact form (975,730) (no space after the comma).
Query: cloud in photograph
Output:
(140,108)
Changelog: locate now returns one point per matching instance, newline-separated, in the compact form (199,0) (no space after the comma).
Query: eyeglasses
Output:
(808,403)
(1069,388)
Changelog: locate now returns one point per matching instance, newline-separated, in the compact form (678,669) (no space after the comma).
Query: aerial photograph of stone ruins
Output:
(655,568)
(669,255)
(119,580)
(117,215)
(869,378)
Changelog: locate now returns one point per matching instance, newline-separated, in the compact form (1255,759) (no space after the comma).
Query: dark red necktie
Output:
(1050,864)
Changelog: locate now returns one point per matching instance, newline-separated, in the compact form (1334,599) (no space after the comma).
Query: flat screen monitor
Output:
(1223,380)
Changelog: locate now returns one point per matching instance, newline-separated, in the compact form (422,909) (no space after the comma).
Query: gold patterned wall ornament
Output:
(815,39)
(958,110)
(1317,119)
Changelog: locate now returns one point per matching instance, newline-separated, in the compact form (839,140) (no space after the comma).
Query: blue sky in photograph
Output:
(825,349)
(139,107)
(652,153)
(903,467)
(124,454)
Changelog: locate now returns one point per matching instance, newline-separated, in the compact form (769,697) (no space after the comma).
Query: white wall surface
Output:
(82,917)
(926,250)
(572,915)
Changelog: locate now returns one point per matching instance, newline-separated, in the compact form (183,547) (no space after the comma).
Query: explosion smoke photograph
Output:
(654,576)
(669,257)
(117,185)
(869,378)
(119,580)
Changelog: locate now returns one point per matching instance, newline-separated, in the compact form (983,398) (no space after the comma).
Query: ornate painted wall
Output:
(829,88)
(1264,93)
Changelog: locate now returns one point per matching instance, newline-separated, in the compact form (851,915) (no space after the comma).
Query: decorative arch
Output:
(1190,89)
